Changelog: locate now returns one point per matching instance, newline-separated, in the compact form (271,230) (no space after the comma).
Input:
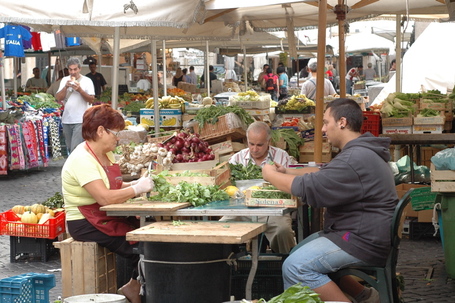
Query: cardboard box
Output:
(404,121)
(402,130)
(428,129)
(168,117)
(262,202)
(444,106)
(422,215)
(429,120)
(227,147)
(258,112)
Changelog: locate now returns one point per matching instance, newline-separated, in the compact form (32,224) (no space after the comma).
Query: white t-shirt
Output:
(143,84)
(75,106)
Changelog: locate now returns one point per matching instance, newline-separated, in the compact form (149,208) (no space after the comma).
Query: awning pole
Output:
(115,67)
(156,106)
(2,79)
(207,72)
(164,68)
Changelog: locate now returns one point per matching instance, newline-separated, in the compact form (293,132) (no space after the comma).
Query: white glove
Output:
(134,182)
(143,185)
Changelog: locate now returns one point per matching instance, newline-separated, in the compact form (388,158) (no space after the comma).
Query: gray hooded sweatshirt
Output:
(357,189)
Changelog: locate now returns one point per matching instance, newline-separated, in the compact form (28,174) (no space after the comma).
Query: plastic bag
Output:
(444,159)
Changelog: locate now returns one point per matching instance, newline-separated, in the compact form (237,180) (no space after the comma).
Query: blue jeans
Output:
(313,259)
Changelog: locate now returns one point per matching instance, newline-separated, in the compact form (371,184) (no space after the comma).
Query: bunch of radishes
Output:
(188,147)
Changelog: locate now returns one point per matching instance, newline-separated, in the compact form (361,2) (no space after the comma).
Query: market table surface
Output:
(219,208)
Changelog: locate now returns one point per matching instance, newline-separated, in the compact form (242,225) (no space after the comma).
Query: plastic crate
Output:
(26,288)
(31,249)
(10,225)
(268,281)
(422,198)
(371,123)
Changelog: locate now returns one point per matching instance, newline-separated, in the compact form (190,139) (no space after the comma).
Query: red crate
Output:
(371,123)
(10,225)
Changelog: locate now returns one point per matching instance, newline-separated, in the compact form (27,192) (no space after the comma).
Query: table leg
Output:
(254,265)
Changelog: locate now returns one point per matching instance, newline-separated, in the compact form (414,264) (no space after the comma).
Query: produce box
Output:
(428,129)
(444,106)
(227,147)
(260,104)
(404,121)
(258,112)
(219,175)
(401,130)
(168,117)
(307,152)
(221,128)
(10,224)
(429,120)
(442,180)
(128,136)
(265,202)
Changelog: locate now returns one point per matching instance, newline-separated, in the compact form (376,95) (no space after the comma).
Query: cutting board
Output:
(145,205)
(214,232)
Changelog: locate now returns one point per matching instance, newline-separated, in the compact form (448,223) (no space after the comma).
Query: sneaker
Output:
(373,298)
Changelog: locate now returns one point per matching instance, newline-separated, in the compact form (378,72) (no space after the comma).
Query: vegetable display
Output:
(194,193)
(242,172)
(398,105)
(292,139)
(295,103)
(188,147)
(211,114)
(270,192)
(295,293)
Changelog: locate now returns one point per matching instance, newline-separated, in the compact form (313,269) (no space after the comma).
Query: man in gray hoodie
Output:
(358,192)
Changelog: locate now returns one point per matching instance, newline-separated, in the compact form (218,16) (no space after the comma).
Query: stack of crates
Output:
(26,288)
(372,123)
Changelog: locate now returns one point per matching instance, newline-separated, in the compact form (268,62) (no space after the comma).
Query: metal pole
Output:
(164,68)
(398,53)
(2,79)
(245,69)
(207,72)
(156,106)
(115,67)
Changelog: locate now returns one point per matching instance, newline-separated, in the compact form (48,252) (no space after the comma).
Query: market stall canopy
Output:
(436,72)
(362,42)
(272,15)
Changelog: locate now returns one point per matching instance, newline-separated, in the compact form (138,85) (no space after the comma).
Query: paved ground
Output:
(421,262)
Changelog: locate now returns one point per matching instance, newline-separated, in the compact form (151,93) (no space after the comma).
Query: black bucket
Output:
(183,283)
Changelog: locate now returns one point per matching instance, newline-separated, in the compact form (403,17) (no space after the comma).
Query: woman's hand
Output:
(143,185)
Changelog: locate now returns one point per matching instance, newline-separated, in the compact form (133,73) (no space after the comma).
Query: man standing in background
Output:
(191,77)
(36,82)
(98,80)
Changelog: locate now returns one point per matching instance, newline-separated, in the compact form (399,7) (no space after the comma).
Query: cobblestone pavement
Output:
(421,262)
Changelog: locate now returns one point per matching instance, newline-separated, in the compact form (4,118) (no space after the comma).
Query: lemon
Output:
(231,190)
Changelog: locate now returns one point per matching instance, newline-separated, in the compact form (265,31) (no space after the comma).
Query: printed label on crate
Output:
(429,120)
(405,121)
(168,117)
(258,112)
(401,130)
(427,129)
(435,105)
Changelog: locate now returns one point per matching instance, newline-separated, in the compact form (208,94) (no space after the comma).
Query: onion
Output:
(195,140)
(211,157)
(179,144)
(179,157)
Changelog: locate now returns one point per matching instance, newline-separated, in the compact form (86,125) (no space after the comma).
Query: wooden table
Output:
(413,140)
(182,235)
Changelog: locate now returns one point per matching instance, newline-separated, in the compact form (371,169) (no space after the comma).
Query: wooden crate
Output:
(307,152)
(442,180)
(219,129)
(219,175)
(87,268)
(261,202)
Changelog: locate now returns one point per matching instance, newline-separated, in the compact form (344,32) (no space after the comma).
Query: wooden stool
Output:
(87,268)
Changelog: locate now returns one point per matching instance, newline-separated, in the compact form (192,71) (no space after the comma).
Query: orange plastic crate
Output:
(371,123)
(10,225)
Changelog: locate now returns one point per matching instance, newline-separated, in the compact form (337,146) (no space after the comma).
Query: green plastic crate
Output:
(422,198)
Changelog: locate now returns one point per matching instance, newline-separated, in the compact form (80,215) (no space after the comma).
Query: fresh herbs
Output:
(194,193)
(242,172)
(292,139)
(296,293)
(56,201)
(211,114)
(269,192)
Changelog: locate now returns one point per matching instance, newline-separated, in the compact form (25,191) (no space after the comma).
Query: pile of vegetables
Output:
(34,214)
(295,293)
(188,147)
(399,105)
(39,100)
(194,193)
(242,172)
(211,114)
(295,103)
(135,157)
(434,96)
(270,192)
(292,139)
